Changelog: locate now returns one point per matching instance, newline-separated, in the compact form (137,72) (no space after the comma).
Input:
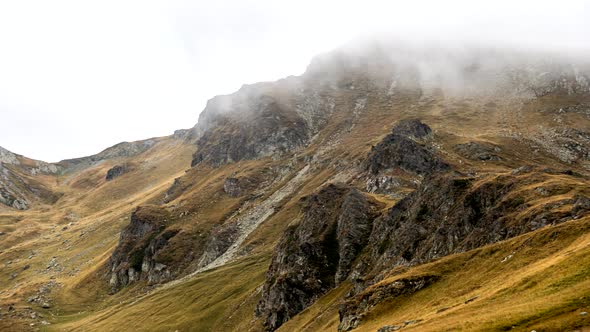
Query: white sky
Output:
(79,76)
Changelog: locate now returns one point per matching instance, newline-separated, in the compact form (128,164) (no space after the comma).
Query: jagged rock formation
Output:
(317,253)
(402,149)
(8,198)
(7,157)
(116,171)
(253,124)
(447,214)
(135,258)
(272,131)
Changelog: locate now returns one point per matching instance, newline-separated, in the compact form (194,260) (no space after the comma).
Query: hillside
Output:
(390,187)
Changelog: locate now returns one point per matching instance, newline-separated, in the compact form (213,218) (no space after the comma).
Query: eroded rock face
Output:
(403,149)
(478,151)
(447,215)
(316,254)
(219,242)
(20,191)
(9,199)
(140,242)
(344,235)
(268,129)
(351,312)
(8,157)
(116,171)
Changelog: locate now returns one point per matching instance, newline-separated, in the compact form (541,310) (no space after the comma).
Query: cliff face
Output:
(450,214)
(258,121)
(316,254)
(139,244)
(267,129)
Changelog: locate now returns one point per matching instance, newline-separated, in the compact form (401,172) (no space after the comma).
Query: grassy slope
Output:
(97,214)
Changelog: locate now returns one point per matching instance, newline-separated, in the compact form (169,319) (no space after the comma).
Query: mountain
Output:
(391,186)
(20,185)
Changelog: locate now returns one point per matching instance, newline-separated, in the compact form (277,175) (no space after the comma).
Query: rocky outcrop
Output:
(567,144)
(403,148)
(19,190)
(9,199)
(447,215)
(412,128)
(220,240)
(269,129)
(450,214)
(135,258)
(478,151)
(352,311)
(231,186)
(7,157)
(316,254)
(116,171)
(343,235)
(121,150)
(260,120)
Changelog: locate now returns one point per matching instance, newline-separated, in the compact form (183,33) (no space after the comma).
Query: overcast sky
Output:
(79,76)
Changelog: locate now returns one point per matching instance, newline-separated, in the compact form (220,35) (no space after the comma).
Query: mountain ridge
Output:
(348,185)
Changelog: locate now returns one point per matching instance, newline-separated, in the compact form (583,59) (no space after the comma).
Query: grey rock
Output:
(412,128)
(116,171)
(139,244)
(231,186)
(352,311)
(8,157)
(400,150)
(315,255)
(220,240)
(124,149)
